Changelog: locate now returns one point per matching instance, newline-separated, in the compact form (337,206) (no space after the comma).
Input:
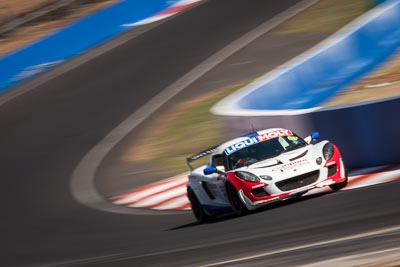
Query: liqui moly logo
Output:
(254,140)
(274,134)
(238,146)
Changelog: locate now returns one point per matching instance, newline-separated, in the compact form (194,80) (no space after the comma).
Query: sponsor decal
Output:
(292,165)
(273,134)
(240,145)
(201,154)
(254,140)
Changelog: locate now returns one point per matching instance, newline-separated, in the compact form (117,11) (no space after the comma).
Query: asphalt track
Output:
(45,132)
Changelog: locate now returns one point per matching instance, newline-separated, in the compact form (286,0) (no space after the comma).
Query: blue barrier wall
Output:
(367,134)
(75,39)
(345,57)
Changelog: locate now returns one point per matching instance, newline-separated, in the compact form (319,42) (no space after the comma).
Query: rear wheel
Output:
(197,209)
(236,203)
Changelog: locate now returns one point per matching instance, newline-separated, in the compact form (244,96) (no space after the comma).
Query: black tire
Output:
(236,203)
(338,186)
(199,213)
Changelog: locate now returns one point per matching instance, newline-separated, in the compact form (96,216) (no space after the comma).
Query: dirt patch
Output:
(186,128)
(10,9)
(388,263)
(381,84)
(325,16)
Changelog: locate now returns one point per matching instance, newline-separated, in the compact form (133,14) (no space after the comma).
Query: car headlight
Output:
(327,151)
(247,176)
(266,177)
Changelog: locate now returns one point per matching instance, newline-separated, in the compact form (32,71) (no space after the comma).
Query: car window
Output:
(217,160)
(263,150)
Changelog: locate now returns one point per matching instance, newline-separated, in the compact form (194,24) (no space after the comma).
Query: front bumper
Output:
(252,202)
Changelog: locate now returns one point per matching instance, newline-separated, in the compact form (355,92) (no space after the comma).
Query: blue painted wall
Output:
(366,134)
(75,39)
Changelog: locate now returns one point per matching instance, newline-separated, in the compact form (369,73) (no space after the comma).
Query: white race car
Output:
(259,168)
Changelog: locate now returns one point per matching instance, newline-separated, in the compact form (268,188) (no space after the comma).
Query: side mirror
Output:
(210,170)
(313,136)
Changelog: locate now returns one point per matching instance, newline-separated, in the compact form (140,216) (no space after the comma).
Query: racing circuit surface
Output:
(47,131)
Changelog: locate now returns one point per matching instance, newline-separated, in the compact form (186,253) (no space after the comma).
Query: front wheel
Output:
(236,203)
(197,209)
(338,186)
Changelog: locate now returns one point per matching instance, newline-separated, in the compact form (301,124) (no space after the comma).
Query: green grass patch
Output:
(325,16)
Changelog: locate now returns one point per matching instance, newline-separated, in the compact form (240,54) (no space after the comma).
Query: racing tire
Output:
(236,203)
(197,209)
(338,186)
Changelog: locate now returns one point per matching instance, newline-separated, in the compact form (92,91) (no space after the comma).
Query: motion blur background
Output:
(158,147)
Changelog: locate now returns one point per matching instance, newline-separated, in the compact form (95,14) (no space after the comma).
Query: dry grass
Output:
(387,263)
(187,128)
(383,83)
(28,34)
(331,15)
(10,9)
(168,143)
(325,16)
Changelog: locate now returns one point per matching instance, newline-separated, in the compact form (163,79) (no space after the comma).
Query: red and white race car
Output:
(259,168)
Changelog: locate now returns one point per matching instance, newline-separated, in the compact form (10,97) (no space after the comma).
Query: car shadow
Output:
(231,216)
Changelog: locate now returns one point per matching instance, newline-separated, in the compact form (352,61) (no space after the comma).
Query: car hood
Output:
(289,164)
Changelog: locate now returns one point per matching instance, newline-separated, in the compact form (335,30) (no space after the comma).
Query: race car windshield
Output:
(263,150)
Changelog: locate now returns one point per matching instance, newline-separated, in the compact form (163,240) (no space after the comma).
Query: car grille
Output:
(298,181)
(259,192)
(332,170)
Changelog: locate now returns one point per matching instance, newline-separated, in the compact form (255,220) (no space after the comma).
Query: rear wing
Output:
(200,155)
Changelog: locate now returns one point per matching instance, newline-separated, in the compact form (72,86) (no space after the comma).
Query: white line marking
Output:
(310,245)
(242,63)
(359,259)
(379,85)
(172,10)
(185,2)
(82,181)
(149,20)
(127,256)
